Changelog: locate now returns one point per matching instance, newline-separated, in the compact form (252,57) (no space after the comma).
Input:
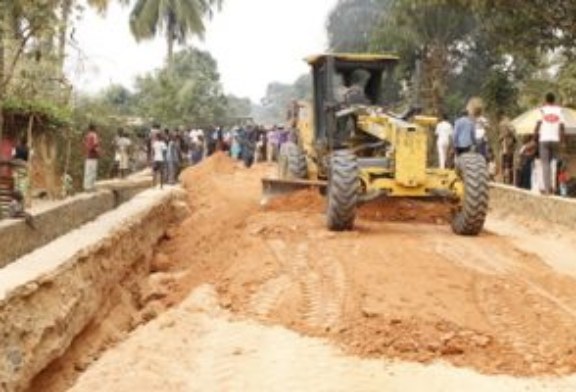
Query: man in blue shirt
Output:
(465,132)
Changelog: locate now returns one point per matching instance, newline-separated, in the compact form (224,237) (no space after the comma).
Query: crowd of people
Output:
(532,163)
(170,151)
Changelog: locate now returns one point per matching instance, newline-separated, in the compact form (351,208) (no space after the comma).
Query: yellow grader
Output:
(346,143)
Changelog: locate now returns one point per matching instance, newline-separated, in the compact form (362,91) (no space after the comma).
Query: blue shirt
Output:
(464,132)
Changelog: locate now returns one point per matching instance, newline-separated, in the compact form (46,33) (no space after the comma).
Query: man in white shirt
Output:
(550,133)
(123,144)
(444,133)
(158,159)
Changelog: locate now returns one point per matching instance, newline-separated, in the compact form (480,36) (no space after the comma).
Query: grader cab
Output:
(347,143)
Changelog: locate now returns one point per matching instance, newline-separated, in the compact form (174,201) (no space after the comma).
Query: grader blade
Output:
(274,187)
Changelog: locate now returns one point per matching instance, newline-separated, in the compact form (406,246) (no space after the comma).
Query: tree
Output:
(351,24)
(185,92)
(177,19)
(21,22)
(435,35)
(273,108)
(118,98)
(238,107)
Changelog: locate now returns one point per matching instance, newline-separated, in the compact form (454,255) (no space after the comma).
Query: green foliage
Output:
(566,82)
(274,106)
(177,19)
(436,35)
(522,27)
(500,94)
(52,116)
(464,46)
(118,99)
(238,107)
(185,92)
(350,24)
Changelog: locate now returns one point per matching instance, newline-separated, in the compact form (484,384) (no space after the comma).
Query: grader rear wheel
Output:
(469,219)
(292,162)
(343,186)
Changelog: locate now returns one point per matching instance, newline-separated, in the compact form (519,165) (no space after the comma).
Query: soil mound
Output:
(305,201)
(218,163)
(406,210)
(386,210)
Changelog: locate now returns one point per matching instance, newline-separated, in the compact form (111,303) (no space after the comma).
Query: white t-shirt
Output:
(480,132)
(195,135)
(444,132)
(123,143)
(158,147)
(551,119)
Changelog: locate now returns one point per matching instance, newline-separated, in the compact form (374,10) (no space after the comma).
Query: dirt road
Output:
(401,303)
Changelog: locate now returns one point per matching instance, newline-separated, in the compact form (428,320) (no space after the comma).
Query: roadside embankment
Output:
(518,203)
(56,219)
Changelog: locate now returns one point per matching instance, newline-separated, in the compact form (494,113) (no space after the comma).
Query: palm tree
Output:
(177,19)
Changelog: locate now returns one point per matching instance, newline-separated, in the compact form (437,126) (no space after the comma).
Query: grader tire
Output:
(469,219)
(343,186)
(292,162)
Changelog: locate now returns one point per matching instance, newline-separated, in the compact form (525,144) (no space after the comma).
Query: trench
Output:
(66,302)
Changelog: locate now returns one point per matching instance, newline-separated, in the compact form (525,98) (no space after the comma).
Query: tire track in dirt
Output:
(334,290)
(266,298)
(476,255)
(525,316)
(219,367)
(322,283)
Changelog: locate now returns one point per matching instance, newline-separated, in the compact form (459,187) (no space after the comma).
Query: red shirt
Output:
(92,145)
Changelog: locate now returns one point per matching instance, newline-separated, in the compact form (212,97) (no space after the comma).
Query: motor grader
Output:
(349,145)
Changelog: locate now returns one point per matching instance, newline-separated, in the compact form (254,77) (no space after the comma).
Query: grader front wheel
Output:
(343,187)
(471,214)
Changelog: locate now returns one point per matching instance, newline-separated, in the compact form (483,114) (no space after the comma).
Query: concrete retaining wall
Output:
(18,239)
(512,201)
(48,297)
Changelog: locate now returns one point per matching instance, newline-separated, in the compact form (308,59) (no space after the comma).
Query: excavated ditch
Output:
(65,303)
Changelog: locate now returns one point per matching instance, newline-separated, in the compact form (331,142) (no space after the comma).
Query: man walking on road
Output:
(92,147)
(550,134)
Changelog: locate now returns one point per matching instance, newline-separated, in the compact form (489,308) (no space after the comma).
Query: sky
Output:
(254,41)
